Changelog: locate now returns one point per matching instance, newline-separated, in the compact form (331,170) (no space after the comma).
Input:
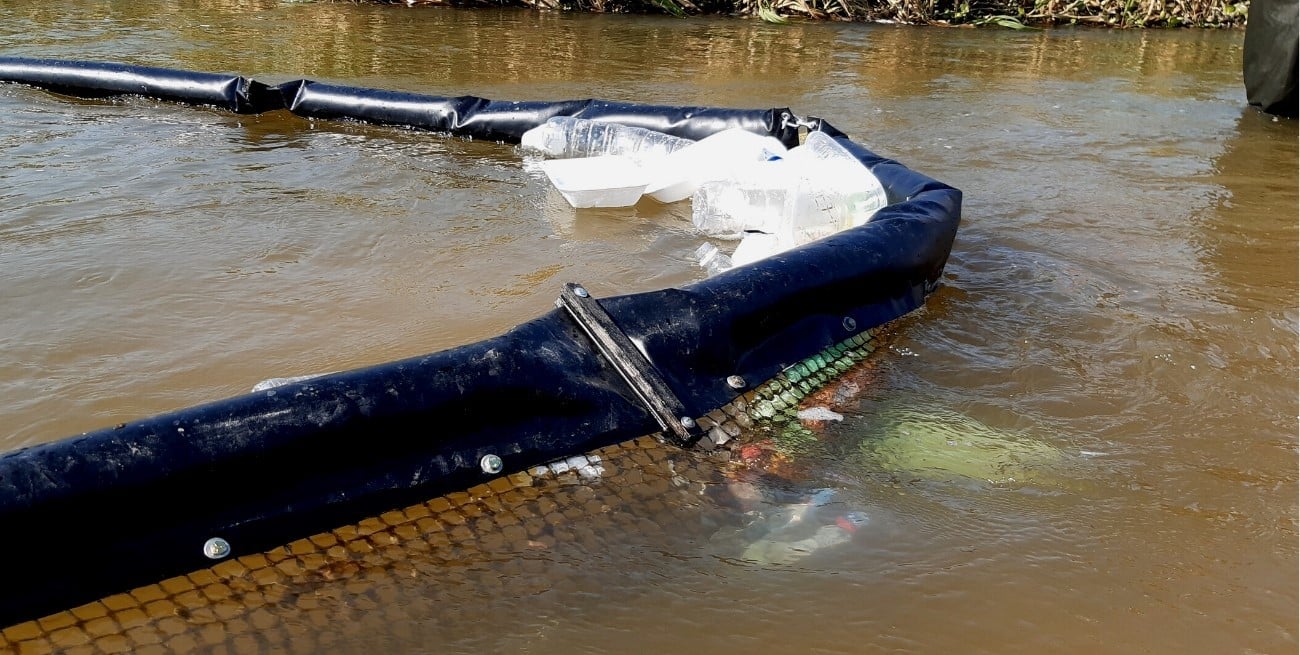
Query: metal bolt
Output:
(735,382)
(687,422)
(850,324)
(216,548)
(491,464)
(580,292)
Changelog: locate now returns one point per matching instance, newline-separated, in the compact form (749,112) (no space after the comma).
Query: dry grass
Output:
(1005,13)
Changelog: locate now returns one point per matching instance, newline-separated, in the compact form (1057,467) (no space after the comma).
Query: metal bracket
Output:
(631,365)
(789,120)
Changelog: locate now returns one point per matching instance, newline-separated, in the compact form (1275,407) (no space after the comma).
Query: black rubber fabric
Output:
(128,505)
(470,116)
(1269,60)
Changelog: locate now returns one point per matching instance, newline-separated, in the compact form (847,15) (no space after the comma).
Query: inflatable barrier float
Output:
(186,490)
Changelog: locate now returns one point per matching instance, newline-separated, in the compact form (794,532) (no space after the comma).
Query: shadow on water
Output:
(1241,253)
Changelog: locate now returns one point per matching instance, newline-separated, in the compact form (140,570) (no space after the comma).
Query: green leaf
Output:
(670,7)
(769,15)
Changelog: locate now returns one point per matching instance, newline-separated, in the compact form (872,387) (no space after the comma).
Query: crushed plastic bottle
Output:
(780,548)
(835,192)
(817,189)
(753,197)
(755,246)
(565,137)
(711,259)
(776,551)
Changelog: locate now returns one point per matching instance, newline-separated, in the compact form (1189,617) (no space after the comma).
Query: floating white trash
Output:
(677,176)
(608,181)
(755,246)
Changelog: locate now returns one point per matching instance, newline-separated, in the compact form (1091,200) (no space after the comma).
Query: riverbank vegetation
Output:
(1005,13)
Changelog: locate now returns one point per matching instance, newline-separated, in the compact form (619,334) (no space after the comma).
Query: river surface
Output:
(1123,290)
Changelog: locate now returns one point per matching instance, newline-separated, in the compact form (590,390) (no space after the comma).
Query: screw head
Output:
(735,382)
(687,422)
(850,324)
(580,292)
(216,548)
(491,464)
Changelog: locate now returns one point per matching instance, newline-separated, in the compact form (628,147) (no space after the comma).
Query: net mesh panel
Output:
(381,574)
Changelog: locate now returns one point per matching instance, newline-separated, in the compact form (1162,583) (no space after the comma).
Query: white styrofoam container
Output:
(607,181)
(677,176)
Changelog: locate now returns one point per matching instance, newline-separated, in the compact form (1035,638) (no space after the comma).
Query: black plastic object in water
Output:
(128,505)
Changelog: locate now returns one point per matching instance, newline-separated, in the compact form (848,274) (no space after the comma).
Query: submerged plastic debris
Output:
(944,445)
(819,414)
(782,534)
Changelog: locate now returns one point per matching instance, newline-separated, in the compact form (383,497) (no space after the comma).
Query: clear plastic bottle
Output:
(817,189)
(835,191)
(566,137)
(711,259)
(754,197)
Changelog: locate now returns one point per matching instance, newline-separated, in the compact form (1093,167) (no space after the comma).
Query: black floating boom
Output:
(128,505)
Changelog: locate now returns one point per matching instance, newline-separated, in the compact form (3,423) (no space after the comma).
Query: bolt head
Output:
(735,382)
(491,464)
(216,548)
(850,324)
(687,422)
(580,292)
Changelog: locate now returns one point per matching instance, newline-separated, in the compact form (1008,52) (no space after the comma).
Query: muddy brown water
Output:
(1123,289)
